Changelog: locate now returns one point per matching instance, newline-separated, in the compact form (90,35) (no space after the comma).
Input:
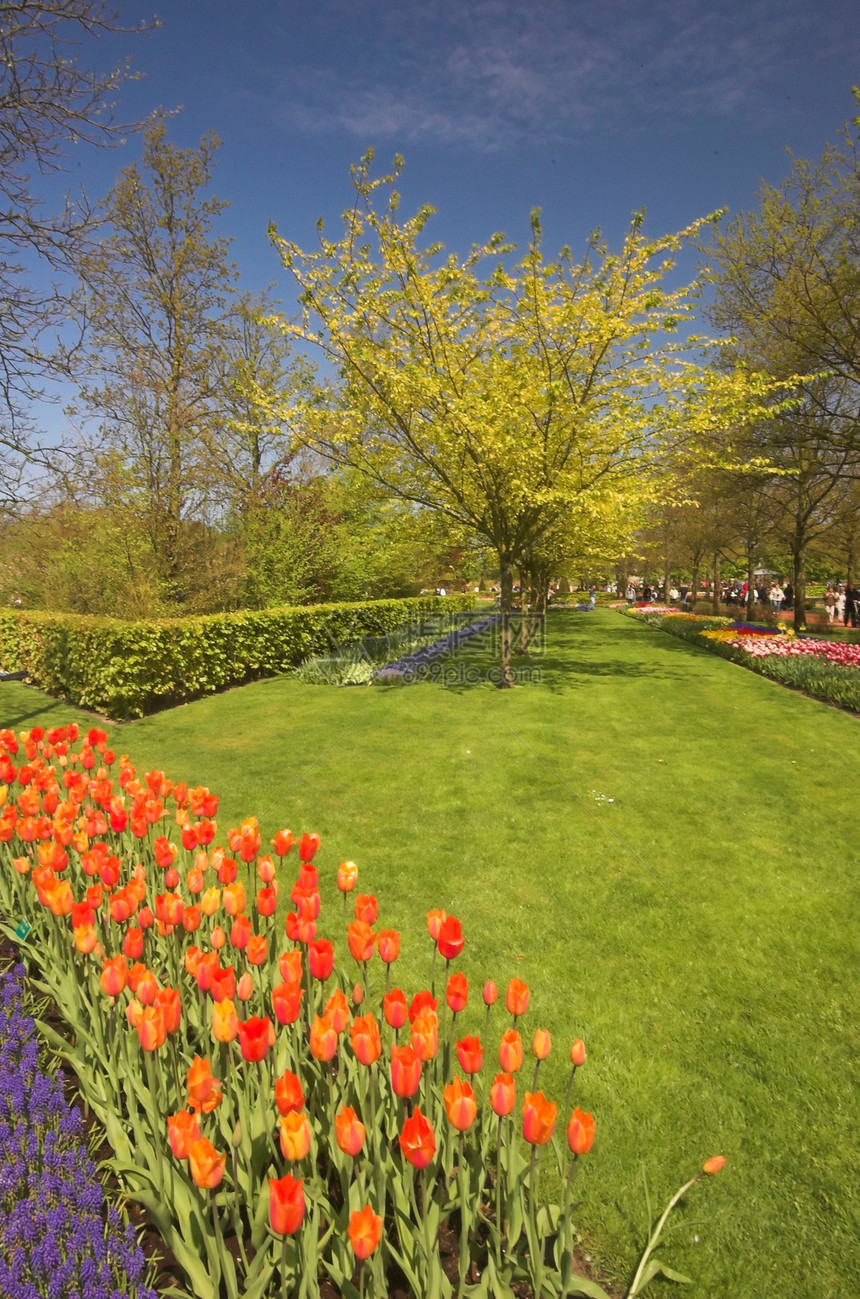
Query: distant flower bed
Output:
(765,646)
(55,1238)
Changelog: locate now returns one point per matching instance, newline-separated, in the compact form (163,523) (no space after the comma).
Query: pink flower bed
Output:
(761,647)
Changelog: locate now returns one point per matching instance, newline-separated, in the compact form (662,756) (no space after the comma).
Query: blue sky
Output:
(588,110)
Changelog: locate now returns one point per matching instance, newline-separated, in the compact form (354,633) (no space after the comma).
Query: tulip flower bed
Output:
(56,1237)
(283,1116)
(824,669)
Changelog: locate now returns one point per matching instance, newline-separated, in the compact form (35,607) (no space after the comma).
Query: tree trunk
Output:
(506,583)
(750,587)
(851,563)
(694,587)
(798,560)
(526,599)
(715,603)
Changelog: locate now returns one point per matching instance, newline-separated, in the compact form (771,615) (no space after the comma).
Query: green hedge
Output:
(127,669)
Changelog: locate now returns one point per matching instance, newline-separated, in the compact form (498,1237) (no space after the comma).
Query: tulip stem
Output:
(567,1242)
(499,1225)
(570,1088)
(655,1235)
(222,1250)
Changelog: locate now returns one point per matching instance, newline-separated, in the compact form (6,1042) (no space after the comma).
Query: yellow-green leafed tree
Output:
(500,393)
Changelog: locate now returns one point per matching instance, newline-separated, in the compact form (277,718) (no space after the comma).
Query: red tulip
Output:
(167,1001)
(283,842)
(132,944)
(490,993)
(405,1071)
(417,1140)
(450,941)
(290,965)
(470,1053)
(420,1002)
(114,975)
(365,1229)
(223,984)
(321,958)
(424,1037)
(257,949)
(308,846)
(254,1038)
(286,1204)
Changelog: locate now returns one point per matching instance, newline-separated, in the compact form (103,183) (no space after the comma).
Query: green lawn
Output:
(699,932)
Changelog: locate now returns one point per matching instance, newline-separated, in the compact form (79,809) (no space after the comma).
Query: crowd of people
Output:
(841,600)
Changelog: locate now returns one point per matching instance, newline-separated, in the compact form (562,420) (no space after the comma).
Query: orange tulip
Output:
(201,1084)
(424,1037)
(405,1071)
(286,1204)
(290,965)
(541,1044)
(282,842)
(295,1135)
(460,1104)
(288,1093)
(457,993)
(435,920)
(267,900)
(245,987)
(420,1002)
(517,998)
(365,1229)
(713,1165)
(470,1053)
(151,1028)
(577,1053)
(347,876)
(365,1038)
(287,1002)
(538,1118)
(323,1038)
(580,1132)
(257,949)
(240,932)
(366,908)
(182,1129)
(417,1140)
(233,898)
(349,1131)
(223,984)
(503,1094)
(511,1051)
(265,869)
(388,945)
(114,975)
(308,847)
(191,919)
(337,1010)
(86,939)
(167,1001)
(210,901)
(361,939)
(207,1166)
(225,1021)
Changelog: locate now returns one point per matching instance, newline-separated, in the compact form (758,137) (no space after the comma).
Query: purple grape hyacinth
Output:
(58,1239)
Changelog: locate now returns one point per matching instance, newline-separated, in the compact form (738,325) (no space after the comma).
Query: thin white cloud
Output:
(492,73)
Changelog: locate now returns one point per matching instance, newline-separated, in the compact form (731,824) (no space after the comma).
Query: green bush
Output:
(127,669)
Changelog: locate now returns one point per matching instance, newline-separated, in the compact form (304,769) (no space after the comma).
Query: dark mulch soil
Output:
(164,1267)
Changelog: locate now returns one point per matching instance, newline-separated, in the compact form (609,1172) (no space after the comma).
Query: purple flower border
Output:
(58,1238)
(418,664)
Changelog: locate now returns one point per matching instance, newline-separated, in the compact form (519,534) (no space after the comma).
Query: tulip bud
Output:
(577,1053)
(713,1165)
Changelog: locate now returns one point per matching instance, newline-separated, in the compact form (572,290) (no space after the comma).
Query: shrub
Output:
(127,669)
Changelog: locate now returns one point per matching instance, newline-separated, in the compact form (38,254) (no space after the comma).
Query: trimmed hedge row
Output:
(127,669)
(816,677)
